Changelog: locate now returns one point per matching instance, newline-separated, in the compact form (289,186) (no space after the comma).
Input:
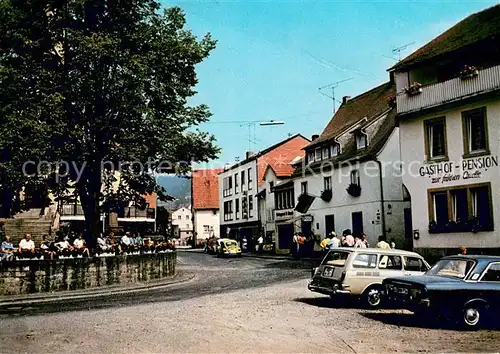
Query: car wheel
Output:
(473,316)
(372,297)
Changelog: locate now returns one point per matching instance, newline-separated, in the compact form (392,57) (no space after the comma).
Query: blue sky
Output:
(272,56)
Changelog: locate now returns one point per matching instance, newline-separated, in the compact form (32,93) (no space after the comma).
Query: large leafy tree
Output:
(95,86)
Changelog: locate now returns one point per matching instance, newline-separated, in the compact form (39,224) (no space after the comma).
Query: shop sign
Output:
(283,214)
(467,169)
(307,218)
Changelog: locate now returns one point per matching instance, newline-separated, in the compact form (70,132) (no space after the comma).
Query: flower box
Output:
(354,190)
(414,89)
(327,195)
(468,72)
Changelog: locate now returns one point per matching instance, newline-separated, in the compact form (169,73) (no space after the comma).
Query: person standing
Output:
(349,239)
(365,241)
(334,241)
(261,244)
(382,243)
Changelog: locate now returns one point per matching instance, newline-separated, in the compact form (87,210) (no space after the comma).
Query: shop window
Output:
(435,138)
(475,131)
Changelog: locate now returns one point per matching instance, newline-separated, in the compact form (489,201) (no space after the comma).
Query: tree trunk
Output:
(89,191)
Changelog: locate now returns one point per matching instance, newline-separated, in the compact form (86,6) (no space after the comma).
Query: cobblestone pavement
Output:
(236,305)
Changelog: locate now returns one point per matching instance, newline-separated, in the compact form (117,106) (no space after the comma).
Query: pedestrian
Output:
(393,243)
(358,242)
(334,241)
(349,239)
(463,250)
(261,244)
(382,243)
(365,241)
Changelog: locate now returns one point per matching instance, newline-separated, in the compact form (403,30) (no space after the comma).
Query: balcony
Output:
(453,90)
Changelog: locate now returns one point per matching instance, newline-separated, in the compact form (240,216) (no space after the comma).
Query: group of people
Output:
(75,246)
(356,241)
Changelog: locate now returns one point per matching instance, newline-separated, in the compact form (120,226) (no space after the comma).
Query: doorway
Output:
(408,229)
(329,224)
(357,223)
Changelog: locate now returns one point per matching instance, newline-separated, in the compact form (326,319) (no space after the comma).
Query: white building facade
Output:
(182,222)
(353,173)
(449,132)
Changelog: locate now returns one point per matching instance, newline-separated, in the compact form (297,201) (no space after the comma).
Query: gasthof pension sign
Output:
(467,169)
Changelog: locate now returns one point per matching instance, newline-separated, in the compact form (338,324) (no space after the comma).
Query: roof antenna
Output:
(398,50)
(332,87)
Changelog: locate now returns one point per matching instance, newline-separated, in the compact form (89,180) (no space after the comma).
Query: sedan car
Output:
(463,288)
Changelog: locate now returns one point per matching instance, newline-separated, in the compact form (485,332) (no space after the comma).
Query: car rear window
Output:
(364,260)
(336,258)
(414,264)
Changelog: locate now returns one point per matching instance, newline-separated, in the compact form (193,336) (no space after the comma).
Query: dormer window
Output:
(317,154)
(326,153)
(335,149)
(361,140)
(310,157)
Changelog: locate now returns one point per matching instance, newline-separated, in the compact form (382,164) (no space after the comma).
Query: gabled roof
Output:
(205,188)
(266,151)
(369,105)
(477,27)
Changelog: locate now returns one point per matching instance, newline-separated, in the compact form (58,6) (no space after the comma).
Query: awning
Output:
(304,203)
(136,219)
(75,218)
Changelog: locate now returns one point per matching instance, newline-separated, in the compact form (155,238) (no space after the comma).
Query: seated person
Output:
(102,246)
(139,242)
(7,250)
(132,246)
(48,249)
(26,247)
(80,247)
(64,248)
(125,242)
(111,242)
(148,244)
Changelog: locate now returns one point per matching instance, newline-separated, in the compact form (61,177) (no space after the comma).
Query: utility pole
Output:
(332,87)
(252,124)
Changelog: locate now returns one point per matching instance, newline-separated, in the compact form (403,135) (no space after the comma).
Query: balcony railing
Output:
(70,210)
(487,80)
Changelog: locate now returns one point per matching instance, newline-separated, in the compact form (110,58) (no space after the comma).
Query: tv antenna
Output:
(397,51)
(332,87)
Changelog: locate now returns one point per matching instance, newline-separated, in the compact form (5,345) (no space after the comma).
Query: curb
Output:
(178,278)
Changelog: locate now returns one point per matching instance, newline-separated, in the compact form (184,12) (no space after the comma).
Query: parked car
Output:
(227,247)
(359,272)
(465,289)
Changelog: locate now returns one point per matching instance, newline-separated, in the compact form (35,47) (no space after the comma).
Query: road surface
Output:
(231,305)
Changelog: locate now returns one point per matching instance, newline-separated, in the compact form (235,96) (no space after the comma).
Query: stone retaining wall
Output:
(36,276)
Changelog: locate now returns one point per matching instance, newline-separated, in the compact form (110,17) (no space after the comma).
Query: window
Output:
(493,273)
(227,186)
(310,157)
(326,152)
(250,178)
(361,140)
(413,264)
(271,186)
(242,180)
(237,208)
(250,205)
(187,226)
(327,183)
(236,184)
(475,132)
(365,261)
(179,217)
(303,188)
(228,210)
(284,199)
(206,229)
(461,209)
(335,150)
(355,177)
(435,138)
(390,262)
(317,154)
(187,217)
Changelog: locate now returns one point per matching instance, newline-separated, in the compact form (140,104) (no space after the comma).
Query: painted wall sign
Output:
(283,214)
(471,168)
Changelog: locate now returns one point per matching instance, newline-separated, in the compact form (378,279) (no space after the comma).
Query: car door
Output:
(414,265)
(390,265)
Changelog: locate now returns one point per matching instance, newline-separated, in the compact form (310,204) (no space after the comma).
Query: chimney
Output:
(345,99)
(314,137)
(249,154)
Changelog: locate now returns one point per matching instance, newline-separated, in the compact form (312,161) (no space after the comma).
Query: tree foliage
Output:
(98,84)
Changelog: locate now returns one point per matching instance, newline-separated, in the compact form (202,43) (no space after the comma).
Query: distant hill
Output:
(178,187)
